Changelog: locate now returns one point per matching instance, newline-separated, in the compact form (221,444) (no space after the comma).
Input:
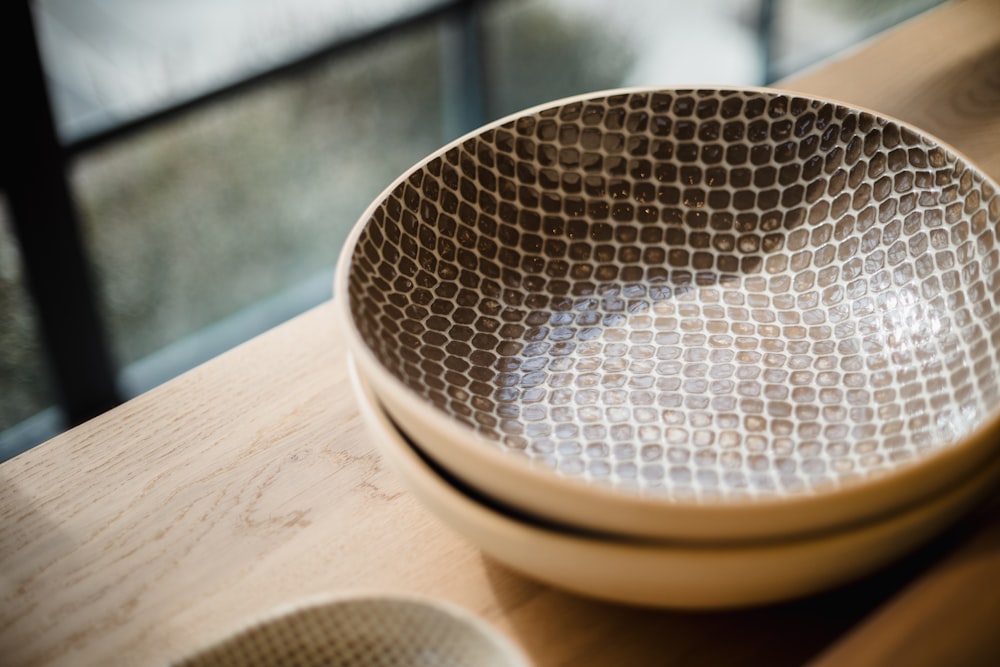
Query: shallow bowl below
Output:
(667,574)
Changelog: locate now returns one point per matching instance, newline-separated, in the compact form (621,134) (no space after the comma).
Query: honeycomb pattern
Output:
(695,293)
(361,632)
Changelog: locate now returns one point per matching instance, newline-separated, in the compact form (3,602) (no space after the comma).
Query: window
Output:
(218,152)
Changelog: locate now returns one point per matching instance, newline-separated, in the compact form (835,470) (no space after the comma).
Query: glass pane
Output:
(111,60)
(25,385)
(542,50)
(806,31)
(198,218)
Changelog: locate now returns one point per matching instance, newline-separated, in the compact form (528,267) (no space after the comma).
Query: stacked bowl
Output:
(684,347)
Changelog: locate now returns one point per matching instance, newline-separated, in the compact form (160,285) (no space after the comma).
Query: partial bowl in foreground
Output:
(363,629)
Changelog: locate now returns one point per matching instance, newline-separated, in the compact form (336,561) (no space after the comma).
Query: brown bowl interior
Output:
(701,293)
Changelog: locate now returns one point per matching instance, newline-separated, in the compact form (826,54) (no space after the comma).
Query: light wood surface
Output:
(249,483)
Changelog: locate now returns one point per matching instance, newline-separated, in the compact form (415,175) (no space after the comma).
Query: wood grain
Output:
(249,483)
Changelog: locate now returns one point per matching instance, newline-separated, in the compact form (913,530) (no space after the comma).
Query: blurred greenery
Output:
(199,218)
(536,55)
(24,386)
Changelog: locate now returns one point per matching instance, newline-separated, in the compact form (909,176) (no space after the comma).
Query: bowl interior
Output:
(703,293)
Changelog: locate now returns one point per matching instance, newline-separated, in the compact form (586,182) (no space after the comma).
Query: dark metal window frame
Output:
(33,176)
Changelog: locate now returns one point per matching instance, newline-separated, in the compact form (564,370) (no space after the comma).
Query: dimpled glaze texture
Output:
(375,632)
(700,293)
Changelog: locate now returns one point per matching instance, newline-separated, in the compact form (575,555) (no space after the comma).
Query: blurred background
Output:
(215,153)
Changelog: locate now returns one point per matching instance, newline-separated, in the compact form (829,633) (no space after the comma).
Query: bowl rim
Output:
(839,504)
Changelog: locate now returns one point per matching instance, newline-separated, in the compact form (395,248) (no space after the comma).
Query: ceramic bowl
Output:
(698,314)
(664,574)
(363,630)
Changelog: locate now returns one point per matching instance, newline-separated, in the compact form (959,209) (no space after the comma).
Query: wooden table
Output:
(249,483)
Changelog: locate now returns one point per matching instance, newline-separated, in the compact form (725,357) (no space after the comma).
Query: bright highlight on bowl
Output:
(705,314)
